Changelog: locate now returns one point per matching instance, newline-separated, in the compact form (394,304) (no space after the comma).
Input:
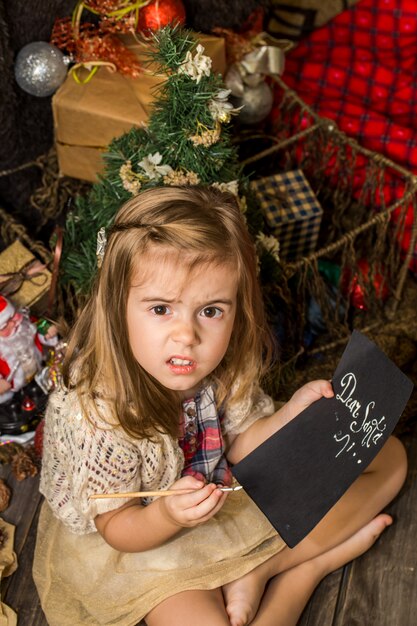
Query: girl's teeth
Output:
(180,362)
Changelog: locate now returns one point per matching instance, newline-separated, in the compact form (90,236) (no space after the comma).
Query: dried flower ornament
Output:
(268,243)
(130,179)
(196,67)
(206,136)
(220,108)
(232,187)
(181,177)
(152,168)
(101,246)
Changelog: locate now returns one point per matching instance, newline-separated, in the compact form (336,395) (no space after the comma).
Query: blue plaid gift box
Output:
(291,211)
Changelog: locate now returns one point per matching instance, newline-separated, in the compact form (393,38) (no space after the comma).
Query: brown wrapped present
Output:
(88,116)
(23,278)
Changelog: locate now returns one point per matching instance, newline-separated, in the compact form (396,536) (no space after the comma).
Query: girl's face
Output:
(180,321)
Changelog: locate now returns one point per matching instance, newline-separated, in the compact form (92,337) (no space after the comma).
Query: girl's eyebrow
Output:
(219,301)
(157,299)
(166,300)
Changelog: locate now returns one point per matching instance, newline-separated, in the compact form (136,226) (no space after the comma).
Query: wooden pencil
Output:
(147,494)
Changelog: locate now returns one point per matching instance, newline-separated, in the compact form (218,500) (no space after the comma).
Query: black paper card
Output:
(302,470)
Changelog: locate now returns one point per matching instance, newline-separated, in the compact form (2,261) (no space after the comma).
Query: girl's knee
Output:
(392,461)
(399,456)
(397,452)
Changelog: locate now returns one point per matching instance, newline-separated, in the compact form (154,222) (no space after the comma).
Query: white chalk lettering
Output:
(373,432)
(365,428)
(339,438)
(355,426)
(348,383)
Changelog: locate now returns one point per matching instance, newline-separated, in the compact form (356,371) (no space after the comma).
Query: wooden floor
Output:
(378,589)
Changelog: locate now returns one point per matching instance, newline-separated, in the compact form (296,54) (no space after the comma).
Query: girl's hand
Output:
(134,528)
(263,428)
(309,393)
(192,509)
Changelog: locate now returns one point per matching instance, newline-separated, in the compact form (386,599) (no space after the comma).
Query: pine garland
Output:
(187,141)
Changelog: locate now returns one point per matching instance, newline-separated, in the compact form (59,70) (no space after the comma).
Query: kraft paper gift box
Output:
(291,211)
(33,291)
(87,117)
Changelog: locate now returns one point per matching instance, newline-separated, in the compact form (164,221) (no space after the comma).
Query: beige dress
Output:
(81,580)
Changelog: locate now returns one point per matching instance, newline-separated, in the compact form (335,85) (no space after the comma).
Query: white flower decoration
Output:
(221,110)
(150,164)
(269,243)
(232,187)
(196,67)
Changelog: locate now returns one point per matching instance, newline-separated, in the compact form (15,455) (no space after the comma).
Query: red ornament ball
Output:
(160,13)
(357,288)
(28,404)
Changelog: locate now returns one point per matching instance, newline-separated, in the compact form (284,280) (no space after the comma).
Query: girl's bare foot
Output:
(353,547)
(243,596)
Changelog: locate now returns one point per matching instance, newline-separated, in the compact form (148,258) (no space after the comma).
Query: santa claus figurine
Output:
(20,348)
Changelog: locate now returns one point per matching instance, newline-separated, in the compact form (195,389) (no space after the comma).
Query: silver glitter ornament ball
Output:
(251,93)
(256,103)
(40,68)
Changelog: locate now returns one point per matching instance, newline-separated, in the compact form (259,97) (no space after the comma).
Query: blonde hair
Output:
(206,224)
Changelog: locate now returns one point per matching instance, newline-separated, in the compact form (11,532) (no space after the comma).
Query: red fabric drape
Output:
(360,70)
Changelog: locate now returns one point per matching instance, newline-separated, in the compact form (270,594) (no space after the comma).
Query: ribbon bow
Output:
(11,282)
(266,59)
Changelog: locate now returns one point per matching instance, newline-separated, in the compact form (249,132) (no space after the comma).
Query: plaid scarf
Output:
(201,440)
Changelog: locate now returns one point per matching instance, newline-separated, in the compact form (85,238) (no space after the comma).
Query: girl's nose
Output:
(185,332)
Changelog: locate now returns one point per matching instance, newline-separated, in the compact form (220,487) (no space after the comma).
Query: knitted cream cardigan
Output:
(81,459)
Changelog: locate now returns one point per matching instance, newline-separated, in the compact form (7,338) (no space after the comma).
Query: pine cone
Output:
(4,495)
(23,465)
(8,450)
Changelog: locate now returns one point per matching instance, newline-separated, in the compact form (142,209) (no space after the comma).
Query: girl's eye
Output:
(160,309)
(211,311)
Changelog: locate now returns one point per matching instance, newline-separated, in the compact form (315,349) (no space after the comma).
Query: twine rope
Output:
(19,168)
(12,229)
(54,191)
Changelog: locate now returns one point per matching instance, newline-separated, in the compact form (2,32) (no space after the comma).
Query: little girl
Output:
(161,392)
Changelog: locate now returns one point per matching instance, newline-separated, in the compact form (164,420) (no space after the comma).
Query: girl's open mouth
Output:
(181,366)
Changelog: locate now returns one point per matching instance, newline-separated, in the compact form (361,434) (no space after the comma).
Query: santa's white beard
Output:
(21,354)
